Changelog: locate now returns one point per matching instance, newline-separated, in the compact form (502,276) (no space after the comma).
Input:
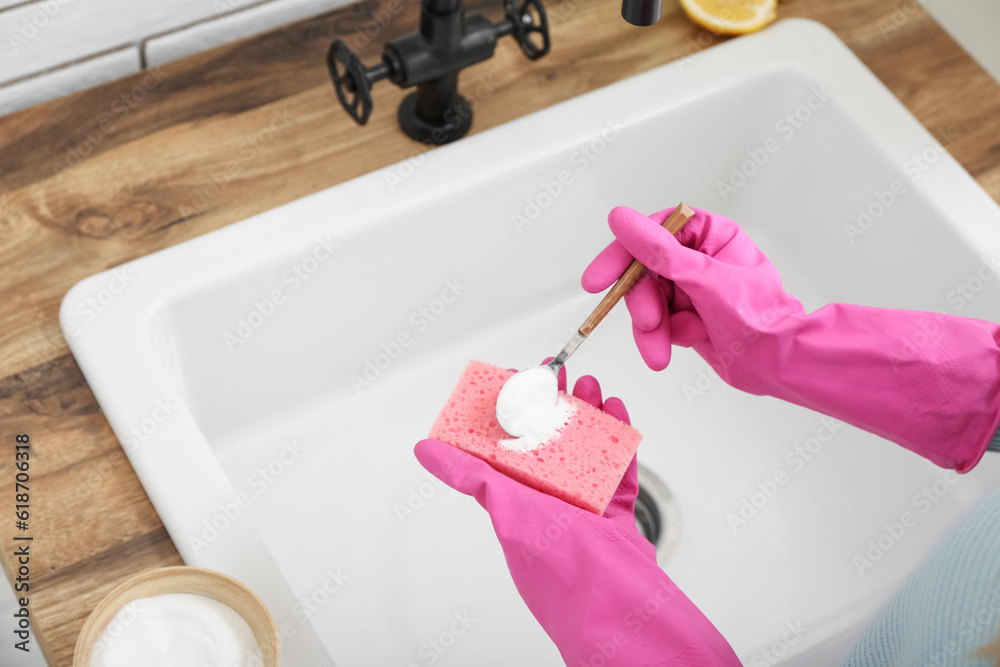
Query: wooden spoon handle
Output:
(674,223)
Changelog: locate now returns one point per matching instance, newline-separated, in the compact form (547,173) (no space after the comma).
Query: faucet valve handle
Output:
(524,25)
(353,81)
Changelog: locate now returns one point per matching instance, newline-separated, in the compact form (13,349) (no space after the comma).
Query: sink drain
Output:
(656,514)
(647,517)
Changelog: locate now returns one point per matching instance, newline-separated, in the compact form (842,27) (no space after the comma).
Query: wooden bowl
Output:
(197,580)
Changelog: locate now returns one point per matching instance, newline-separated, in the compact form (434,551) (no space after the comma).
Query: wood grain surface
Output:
(116,172)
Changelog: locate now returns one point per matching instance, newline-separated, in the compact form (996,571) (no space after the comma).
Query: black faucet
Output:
(641,12)
(447,42)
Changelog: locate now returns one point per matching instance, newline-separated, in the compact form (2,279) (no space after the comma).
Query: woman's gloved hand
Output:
(927,381)
(591,581)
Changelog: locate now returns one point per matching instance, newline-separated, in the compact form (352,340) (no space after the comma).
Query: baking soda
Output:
(177,630)
(531,406)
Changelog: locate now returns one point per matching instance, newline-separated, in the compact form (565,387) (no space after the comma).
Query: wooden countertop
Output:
(113,173)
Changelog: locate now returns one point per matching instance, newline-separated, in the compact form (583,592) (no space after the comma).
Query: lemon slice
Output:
(731,17)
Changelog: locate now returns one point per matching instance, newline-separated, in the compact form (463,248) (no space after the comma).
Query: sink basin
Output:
(268,380)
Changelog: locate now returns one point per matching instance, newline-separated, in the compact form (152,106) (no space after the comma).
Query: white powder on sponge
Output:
(177,630)
(531,406)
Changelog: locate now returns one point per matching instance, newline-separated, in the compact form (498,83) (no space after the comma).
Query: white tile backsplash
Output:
(65,80)
(41,41)
(49,33)
(256,19)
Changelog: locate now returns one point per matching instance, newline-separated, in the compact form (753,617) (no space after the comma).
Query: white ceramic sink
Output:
(271,378)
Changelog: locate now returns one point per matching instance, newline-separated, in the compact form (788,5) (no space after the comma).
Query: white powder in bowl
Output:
(529,405)
(177,630)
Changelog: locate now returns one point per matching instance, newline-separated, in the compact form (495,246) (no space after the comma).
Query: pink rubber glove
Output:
(927,381)
(591,581)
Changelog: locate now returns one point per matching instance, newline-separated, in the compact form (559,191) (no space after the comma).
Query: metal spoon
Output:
(674,223)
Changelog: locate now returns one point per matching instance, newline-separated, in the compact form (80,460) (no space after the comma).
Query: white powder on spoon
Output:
(530,406)
(177,630)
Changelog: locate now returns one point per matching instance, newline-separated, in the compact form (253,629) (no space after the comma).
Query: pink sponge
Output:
(583,464)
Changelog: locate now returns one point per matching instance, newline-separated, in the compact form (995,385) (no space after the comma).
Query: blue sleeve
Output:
(949,608)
